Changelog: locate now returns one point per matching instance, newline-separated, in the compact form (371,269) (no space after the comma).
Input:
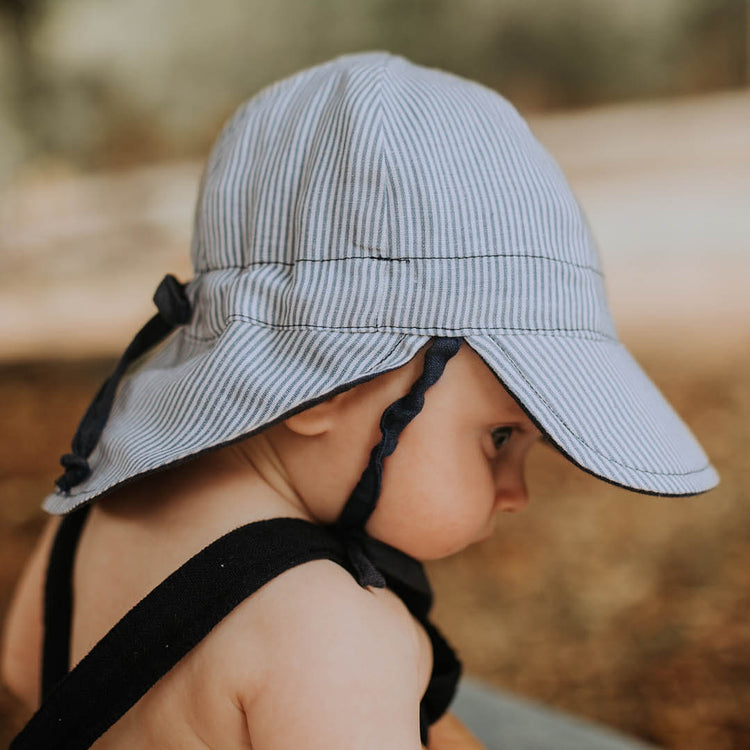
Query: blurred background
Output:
(623,608)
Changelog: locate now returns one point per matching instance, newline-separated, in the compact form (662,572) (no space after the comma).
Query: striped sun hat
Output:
(347,215)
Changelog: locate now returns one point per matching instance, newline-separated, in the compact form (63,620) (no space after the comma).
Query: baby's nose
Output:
(512,498)
(511,503)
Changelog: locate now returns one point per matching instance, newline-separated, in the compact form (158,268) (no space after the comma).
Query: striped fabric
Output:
(347,214)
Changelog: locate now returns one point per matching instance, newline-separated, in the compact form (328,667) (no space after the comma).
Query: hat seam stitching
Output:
(250,264)
(555,414)
(428,330)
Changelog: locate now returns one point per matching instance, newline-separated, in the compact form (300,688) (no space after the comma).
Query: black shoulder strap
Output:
(164,626)
(58,600)
(406,577)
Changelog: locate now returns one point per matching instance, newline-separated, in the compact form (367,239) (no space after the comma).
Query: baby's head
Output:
(348,217)
(457,464)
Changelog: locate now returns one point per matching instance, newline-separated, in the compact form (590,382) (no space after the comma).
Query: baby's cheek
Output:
(466,520)
(467,515)
(431,522)
(436,498)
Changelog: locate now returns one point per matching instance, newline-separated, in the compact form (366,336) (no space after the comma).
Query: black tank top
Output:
(79,705)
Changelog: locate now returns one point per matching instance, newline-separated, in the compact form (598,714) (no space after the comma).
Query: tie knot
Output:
(364,569)
(172,302)
(76,470)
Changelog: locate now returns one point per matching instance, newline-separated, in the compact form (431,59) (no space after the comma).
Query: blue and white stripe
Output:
(347,214)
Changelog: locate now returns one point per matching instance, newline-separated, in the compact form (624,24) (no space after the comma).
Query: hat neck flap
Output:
(174,310)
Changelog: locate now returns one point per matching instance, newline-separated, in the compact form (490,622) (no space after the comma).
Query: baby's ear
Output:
(320,418)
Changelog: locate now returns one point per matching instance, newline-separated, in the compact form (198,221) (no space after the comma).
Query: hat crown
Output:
(373,155)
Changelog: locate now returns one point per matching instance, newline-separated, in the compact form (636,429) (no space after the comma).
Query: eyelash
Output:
(505,432)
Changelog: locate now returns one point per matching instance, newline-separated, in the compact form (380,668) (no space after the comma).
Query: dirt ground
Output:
(628,609)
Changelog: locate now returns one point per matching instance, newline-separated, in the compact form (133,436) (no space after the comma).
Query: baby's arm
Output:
(340,669)
(20,657)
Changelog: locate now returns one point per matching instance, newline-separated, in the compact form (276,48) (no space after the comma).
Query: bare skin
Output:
(238,687)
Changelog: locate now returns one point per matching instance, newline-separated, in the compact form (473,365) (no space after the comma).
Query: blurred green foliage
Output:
(101,84)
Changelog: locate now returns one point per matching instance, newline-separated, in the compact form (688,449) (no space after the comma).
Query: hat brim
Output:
(188,396)
(600,409)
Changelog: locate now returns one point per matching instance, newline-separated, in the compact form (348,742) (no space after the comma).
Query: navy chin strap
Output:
(174,310)
(364,497)
(369,557)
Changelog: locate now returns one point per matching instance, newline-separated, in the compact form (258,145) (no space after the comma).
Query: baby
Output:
(395,296)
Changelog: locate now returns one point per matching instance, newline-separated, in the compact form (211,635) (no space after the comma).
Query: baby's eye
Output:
(501,435)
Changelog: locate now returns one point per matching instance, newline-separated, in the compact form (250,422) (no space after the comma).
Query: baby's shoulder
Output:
(310,612)
(314,644)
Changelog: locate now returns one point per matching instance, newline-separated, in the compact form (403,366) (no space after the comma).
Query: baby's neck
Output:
(258,456)
(242,482)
